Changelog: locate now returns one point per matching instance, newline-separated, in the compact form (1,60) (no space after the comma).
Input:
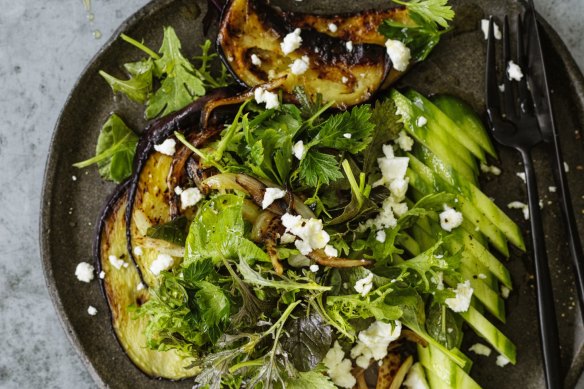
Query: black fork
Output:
(514,124)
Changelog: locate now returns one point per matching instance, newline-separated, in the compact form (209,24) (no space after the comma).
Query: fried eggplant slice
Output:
(345,75)
(122,291)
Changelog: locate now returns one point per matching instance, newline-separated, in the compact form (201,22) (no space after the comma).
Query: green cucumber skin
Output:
(487,296)
(442,372)
(447,124)
(463,115)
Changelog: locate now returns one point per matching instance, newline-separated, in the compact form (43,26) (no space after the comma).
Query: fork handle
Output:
(545,299)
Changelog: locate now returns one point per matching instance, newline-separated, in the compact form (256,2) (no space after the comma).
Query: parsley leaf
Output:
(432,11)
(114,153)
(311,380)
(318,168)
(139,86)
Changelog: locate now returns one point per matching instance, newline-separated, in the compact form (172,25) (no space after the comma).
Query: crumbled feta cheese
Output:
(140,287)
(505,292)
(349,46)
(344,80)
(92,310)
(161,263)
(287,238)
(178,190)
(450,219)
(190,197)
(138,251)
(74,178)
(480,349)
(422,121)
(552,189)
(399,188)
(404,141)
(522,206)
(416,378)
(101,275)
(364,285)
(399,54)
(291,42)
(338,367)
(168,147)
(373,342)
(485,27)
(393,168)
(348,135)
(313,268)
(310,232)
(255,60)
(494,170)
(299,260)
(514,72)
(300,65)
(298,150)
(461,302)
(522,176)
(502,88)
(84,272)
(566,167)
(269,98)
(332,27)
(116,262)
(271,195)
(331,251)
(502,361)
(482,276)
(381,236)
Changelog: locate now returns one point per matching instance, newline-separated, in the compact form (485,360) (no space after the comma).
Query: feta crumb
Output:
(348,135)
(300,65)
(178,190)
(349,46)
(373,342)
(480,349)
(255,60)
(502,361)
(494,170)
(482,276)
(461,302)
(331,251)
(514,72)
(399,54)
(310,232)
(522,206)
(505,292)
(422,121)
(404,141)
(287,238)
(74,178)
(140,287)
(270,98)
(313,268)
(552,189)
(399,188)
(364,285)
(138,251)
(298,150)
(84,272)
(101,275)
(190,197)
(291,42)
(161,263)
(332,27)
(339,367)
(522,176)
(485,27)
(416,378)
(381,236)
(502,88)
(566,167)
(344,80)
(271,195)
(450,219)
(92,310)
(392,168)
(168,147)
(116,262)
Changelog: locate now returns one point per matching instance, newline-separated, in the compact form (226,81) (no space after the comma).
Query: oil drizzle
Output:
(91,18)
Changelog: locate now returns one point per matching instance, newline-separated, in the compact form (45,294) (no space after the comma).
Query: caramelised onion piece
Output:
(388,371)
(400,375)
(321,258)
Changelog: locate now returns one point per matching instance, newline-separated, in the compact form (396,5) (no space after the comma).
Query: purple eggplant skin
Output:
(183,121)
(347,76)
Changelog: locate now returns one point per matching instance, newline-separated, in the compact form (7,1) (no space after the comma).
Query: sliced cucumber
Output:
(443,369)
(439,121)
(487,296)
(490,333)
(466,118)
(409,243)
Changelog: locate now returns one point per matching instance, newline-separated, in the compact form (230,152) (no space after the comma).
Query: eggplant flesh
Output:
(121,290)
(346,77)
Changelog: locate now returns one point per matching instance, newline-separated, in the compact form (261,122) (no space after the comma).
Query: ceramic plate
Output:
(70,208)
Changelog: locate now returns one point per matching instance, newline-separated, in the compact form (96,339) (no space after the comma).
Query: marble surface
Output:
(44,46)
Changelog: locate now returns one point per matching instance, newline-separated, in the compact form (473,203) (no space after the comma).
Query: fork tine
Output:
(525,101)
(508,95)
(493,100)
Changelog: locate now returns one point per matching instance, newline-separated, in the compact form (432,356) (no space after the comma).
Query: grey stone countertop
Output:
(44,46)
